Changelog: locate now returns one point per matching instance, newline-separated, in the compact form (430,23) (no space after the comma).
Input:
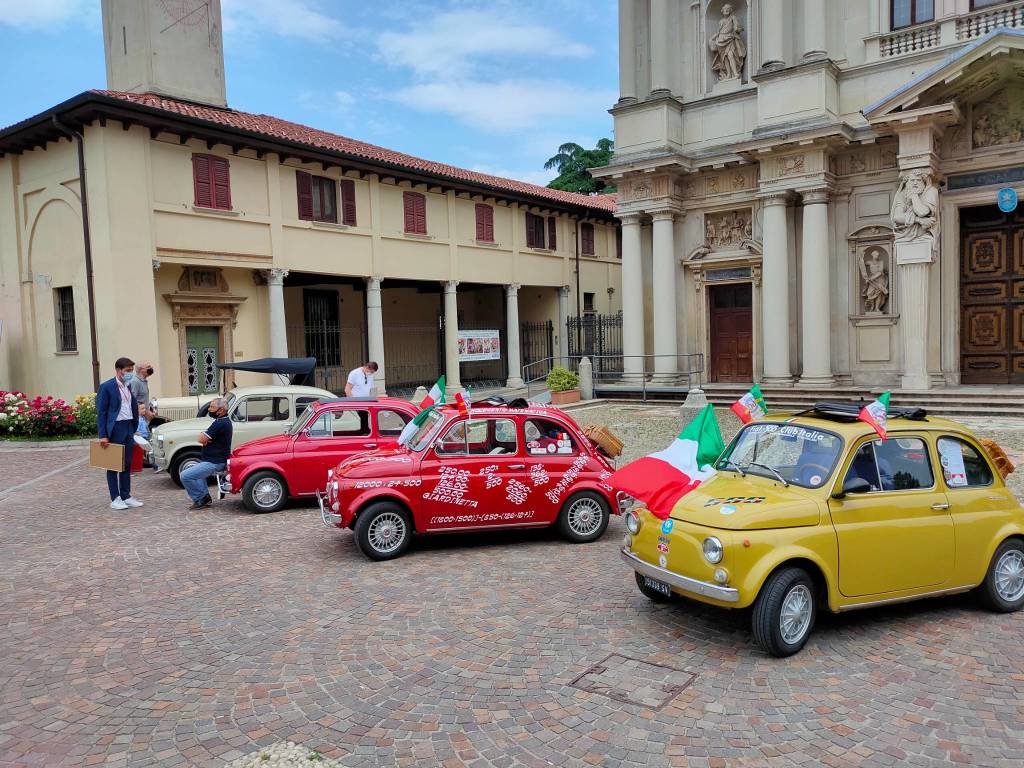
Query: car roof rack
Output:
(844,411)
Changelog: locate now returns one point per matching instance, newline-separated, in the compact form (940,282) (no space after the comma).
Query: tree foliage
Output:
(573,164)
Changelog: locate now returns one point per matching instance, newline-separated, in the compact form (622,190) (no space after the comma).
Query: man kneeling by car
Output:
(216,442)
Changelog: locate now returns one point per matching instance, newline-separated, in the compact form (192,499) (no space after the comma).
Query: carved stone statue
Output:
(728,51)
(875,281)
(915,208)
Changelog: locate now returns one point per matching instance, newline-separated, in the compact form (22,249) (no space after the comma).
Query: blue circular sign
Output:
(1006,198)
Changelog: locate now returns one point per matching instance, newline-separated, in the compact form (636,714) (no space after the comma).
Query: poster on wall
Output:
(479,345)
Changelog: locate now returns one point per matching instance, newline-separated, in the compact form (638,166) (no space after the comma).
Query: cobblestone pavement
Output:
(162,637)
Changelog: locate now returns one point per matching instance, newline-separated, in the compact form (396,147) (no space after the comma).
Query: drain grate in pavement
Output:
(633,681)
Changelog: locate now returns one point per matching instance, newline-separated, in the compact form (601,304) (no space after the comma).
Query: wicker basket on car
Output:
(603,438)
(998,456)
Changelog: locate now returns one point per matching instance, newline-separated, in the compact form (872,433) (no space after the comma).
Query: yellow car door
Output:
(895,533)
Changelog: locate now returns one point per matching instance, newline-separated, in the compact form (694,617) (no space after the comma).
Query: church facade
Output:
(822,193)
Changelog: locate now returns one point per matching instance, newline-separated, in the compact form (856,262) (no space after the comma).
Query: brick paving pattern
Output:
(159,637)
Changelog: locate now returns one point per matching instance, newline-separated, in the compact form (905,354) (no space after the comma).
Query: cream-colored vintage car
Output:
(255,412)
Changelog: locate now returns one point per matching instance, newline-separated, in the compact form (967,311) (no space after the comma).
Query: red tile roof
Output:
(276,128)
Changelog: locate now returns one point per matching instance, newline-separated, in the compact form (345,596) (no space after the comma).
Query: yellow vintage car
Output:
(813,511)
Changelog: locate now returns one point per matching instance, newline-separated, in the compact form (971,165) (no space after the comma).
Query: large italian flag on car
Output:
(663,478)
(434,397)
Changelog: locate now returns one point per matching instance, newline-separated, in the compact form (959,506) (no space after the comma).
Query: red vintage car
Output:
(505,467)
(270,470)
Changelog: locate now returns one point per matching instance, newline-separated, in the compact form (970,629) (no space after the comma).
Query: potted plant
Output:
(564,386)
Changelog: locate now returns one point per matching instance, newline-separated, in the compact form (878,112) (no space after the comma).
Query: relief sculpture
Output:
(728,51)
(915,208)
(874,276)
(727,231)
(998,120)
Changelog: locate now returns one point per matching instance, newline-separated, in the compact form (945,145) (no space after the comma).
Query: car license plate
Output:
(658,586)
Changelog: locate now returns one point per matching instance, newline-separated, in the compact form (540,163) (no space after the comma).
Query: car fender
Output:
(597,487)
(372,495)
(179,448)
(817,546)
(247,471)
(1006,530)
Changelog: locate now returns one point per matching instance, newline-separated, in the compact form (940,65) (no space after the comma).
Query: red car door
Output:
(334,435)
(553,463)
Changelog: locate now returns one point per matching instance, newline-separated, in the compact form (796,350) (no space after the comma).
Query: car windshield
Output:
(421,438)
(800,455)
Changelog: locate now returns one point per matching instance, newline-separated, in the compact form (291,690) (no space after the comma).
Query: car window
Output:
(302,403)
(544,436)
(804,456)
(486,437)
(350,423)
(261,408)
(391,423)
(896,464)
(962,465)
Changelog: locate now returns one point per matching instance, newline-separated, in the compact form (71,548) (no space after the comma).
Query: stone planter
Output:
(565,398)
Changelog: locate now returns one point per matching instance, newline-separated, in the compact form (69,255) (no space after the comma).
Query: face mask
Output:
(126,377)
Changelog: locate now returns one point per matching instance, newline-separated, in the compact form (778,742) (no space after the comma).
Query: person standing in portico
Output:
(360,380)
(117,418)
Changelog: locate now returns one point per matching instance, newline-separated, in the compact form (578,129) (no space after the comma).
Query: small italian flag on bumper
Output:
(875,414)
(751,406)
(434,397)
(663,478)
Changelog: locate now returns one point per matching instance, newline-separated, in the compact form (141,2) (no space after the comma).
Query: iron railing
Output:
(627,374)
(598,337)
(536,342)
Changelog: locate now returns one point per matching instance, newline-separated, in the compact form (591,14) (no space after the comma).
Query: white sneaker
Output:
(131,501)
(118,504)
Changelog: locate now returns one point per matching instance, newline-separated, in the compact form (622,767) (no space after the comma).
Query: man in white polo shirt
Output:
(360,380)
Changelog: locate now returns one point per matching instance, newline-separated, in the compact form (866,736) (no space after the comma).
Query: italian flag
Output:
(663,478)
(751,406)
(434,397)
(874,413)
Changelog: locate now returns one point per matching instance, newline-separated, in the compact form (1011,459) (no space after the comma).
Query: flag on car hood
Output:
(751,406)
(875,413)
(434,398)
(663,478)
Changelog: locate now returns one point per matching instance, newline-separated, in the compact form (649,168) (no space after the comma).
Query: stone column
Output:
(375,332)
(563,325)
(816,319)
(627,51)
(772,40)
(515,366)
(278,329)
(664,295)
(451,337)
(913,309)
(660,68)
(632,296)
(775,330)
(815,36)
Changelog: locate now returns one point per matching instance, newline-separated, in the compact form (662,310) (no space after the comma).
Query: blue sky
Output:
(492,86)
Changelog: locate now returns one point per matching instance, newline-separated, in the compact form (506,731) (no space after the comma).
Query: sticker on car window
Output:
(952,459)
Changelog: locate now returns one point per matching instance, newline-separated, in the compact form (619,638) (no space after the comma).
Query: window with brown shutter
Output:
(484,223)
(211,179)
(415,213)
(587,239)
(534,231)
(317,197)
(552,237)
(348,202)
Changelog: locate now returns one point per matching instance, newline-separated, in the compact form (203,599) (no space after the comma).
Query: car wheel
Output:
(784,612)
(264,491)
(651,594)
(1003,588)
(584,517)
(182,462)
(383,531)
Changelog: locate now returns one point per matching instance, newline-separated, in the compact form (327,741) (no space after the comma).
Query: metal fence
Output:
(537,343)
(626,375)
(337,349)
(598,337)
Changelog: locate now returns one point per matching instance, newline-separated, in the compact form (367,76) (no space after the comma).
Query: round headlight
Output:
(712,550)
(633,522)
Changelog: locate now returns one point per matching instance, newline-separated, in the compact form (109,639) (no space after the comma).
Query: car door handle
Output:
(517,466)
(940,506)
(369,445)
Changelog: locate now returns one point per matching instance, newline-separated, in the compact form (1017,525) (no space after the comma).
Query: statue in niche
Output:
(915,208)
(875,281)
(728,51)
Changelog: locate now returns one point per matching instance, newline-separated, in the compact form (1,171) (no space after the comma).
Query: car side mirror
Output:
(853,485)
(287,426)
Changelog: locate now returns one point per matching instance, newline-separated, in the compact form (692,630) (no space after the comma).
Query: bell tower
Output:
(170,47)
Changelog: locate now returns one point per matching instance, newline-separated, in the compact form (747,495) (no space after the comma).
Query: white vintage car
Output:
(255,412)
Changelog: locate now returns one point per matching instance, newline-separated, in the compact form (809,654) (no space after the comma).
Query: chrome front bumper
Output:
(682,583)
(329,519)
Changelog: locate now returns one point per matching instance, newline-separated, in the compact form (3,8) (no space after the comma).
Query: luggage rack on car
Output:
(837,411)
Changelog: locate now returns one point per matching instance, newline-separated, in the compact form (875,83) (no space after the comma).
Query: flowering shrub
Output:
(47,416)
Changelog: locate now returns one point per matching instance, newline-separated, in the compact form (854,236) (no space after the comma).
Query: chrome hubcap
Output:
(585,516)
(186,465)
(387,532)
(795,617)
(1010,576)
(267,492)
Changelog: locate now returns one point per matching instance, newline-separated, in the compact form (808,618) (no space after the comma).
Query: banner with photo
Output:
(479,345)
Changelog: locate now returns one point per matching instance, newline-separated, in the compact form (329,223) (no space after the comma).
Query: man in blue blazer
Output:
(117,417)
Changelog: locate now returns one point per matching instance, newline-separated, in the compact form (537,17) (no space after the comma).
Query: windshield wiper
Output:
(737,466)
(773,470)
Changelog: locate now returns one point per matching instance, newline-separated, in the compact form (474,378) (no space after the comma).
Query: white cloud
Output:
(503,106)
(301,19)
(37,14)
(344,99)
(454,43)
